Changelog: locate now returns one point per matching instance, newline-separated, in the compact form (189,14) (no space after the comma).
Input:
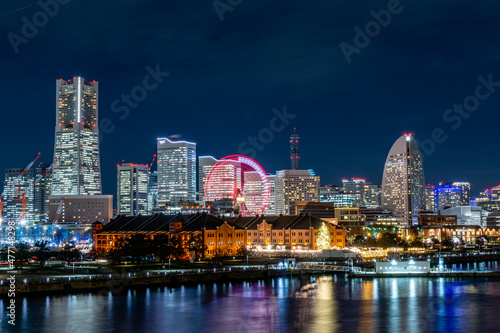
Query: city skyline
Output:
(247,166)
(401,75)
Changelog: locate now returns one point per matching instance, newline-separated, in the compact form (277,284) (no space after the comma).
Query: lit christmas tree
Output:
(323,240)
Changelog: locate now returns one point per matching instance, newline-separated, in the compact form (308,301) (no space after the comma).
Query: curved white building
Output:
(403,185)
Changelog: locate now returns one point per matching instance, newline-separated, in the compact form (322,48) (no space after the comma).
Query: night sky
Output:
(226,77)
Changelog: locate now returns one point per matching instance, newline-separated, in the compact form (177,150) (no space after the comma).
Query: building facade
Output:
(468,215)
(16,190)
(132,189)
(293,232)
(448,196)
(271,208)
(336,194)
(176,171)
(295,185)
(221,236)
(430,201)
(152,191)
(465,192)
(77,139)
(205,164)
(403,189)
(82,209)
(42,190)
(366,194)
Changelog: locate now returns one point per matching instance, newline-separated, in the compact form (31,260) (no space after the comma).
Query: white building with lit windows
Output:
(78,171)
(205,164)
(293,186)
(403,185)
(176,171)
(132,189)
(12,205)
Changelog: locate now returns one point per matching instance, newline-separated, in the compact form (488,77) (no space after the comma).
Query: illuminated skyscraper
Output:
(132,189)
(42,192)
(465,192)
(295,185)
(403,189)
(12,207)
(367,195)
(271,209)
(447,196)
(77,139)
(294,150)
(430,202)
(205,163)
(152,191)
(176,171)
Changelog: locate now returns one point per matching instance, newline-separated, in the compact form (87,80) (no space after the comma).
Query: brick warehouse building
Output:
(226,234)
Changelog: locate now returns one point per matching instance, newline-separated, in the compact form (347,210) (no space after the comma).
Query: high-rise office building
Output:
(205,163)
(336,194)
(295,185)
(42,192)
(132,189)
(77,139)
(16,189)
(271,208)
(176,171)
(403,189)
(152,191)
(430,202)
(448,196)
(294,150)
(465,192)
(367,195)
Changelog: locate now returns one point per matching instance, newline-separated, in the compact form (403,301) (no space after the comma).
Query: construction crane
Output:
(58,211)
(20,195)
(23,196)
(152,162)
(15,182)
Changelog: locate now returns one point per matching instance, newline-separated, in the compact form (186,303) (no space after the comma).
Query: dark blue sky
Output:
(227,76)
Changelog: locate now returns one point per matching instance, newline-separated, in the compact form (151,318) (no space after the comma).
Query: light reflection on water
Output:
(323,304)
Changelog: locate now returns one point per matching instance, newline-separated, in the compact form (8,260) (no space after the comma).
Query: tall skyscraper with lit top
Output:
(78,171)
(403,185)
(176,171)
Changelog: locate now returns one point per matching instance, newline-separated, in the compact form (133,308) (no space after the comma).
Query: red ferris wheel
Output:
(241,179)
